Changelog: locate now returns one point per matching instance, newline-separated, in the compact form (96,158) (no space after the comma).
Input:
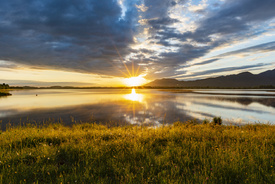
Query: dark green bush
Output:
(217,121)
(205,121)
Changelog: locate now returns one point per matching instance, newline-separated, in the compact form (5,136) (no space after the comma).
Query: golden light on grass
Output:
(135,81)
(213,152)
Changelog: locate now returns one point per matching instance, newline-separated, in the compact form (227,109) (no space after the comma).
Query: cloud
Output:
(233,21)
(71,35)
(206,62)
(225,69)
(8,66)
(235,17)
(89,35)
(266,47)
(43,84)
(142,8)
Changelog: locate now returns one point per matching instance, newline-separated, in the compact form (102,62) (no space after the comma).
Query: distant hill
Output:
(241,80)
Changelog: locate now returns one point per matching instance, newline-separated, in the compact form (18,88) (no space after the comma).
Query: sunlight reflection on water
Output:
(134,96)
(133,106)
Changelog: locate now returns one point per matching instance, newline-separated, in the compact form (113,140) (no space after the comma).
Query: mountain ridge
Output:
(241,80)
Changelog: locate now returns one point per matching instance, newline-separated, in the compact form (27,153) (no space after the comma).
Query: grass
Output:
(180,153)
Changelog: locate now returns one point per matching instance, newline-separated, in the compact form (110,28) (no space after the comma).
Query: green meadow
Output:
(179,153)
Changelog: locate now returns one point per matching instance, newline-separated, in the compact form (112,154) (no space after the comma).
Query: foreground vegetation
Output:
(180,153)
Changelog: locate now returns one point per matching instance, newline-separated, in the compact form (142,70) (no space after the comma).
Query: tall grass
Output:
(180,153)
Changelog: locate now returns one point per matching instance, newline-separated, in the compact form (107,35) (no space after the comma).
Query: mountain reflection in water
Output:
(136,106)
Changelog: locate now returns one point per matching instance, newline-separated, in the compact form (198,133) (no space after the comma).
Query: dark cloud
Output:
(168,63)
(234,20)
(185,53)
(161,22)
(206,62)
(87,35)
(72,35)
(234,17)
(158,8)
(226,69)
(157,15)
(146,51)
(266,47)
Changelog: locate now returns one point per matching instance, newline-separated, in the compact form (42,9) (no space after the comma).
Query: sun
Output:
(135,81)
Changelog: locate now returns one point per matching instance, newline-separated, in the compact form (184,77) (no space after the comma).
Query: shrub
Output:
(217,121)
(205,121)
(192,122)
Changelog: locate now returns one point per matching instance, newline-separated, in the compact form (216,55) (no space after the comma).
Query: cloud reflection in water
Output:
(140,106)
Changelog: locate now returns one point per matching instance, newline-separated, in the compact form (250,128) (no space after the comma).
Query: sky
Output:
(102,42)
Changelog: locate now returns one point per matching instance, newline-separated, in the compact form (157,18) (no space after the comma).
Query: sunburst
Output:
(134,81)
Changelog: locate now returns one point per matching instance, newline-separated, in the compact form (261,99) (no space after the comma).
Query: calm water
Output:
(144,106)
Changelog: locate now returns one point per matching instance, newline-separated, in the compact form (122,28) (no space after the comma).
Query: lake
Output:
(141,106)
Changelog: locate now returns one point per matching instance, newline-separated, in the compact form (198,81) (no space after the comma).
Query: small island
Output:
(4,87)
(4,94)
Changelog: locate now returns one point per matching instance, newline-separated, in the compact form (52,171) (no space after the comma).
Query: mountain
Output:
(241,80)
(164,82)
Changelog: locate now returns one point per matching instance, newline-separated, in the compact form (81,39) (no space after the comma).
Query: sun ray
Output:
(122,60)
(132,79)
(137,70)
(118,69)
(133,69)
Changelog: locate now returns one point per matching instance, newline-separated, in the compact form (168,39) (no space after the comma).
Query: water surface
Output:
(142,106)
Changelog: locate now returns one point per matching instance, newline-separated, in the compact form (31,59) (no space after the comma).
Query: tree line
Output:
(4,86)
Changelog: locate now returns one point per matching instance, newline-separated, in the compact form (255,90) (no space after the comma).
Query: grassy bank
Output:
(181,153)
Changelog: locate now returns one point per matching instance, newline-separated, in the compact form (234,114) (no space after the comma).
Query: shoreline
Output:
(205,93)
